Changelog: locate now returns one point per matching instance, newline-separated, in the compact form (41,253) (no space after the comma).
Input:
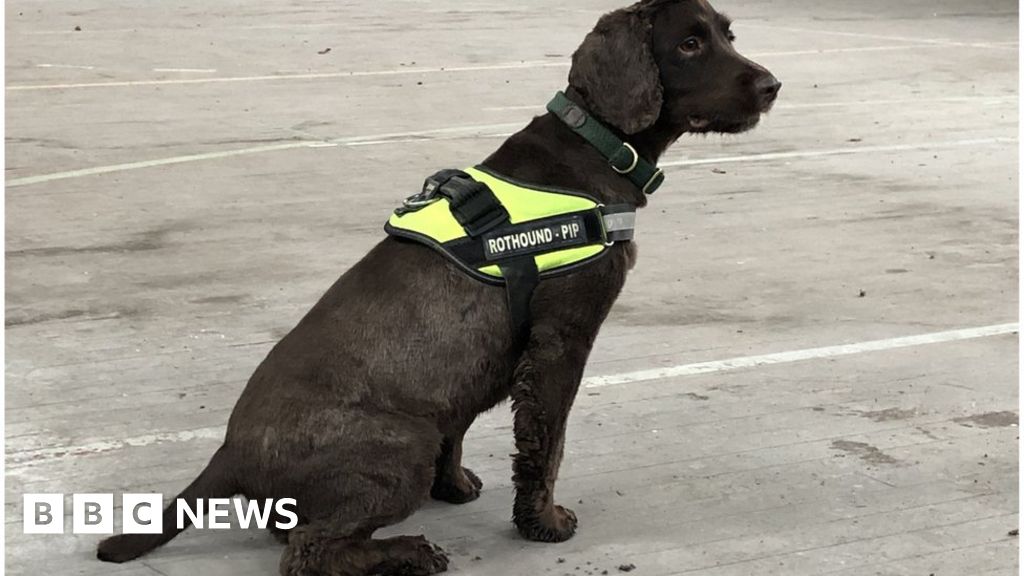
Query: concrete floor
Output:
(171,212)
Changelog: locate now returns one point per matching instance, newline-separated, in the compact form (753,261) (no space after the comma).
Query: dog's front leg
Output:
(546,380)
(452,482)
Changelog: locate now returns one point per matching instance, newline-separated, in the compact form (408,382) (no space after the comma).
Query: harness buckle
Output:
(615,160)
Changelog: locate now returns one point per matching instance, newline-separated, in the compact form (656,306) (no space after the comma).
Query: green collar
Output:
(622,157)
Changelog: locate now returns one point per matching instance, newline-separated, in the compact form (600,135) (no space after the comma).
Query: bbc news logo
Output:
(143,513)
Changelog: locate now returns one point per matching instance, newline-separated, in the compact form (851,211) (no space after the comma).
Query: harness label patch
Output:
(527,239)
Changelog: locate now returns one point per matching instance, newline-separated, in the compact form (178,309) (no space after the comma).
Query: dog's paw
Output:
(557,524)
(464,487)
(432,559)
(421,558)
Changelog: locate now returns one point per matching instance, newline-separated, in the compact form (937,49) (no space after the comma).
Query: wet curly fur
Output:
(359,412)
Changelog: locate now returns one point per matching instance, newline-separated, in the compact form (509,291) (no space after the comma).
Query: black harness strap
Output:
(521,279)
(475,207)
(473,204)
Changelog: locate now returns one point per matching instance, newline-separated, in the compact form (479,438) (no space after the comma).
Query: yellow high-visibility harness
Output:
(557,229)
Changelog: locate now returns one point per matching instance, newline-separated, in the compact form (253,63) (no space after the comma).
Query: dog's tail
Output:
(215,481)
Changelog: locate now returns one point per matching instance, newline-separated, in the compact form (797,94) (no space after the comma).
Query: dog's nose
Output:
(767,87)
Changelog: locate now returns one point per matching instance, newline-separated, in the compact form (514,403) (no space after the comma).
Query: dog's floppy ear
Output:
(615,71)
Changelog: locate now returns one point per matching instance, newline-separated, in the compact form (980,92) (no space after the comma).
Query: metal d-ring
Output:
(636,159)
(412,202)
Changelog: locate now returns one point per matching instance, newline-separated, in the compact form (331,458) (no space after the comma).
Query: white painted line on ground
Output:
(390,137)
(412,140)
(936,41)
(406,137)
(73,66)
(537,107)
(199,70)
(385,141)
(345,141)
(404,70)
(854,49)
(24,458)
(307,76)
(890,101)
(14,182)
(842,104)
(743,362)
(836,152)
(340,26)
(28,458)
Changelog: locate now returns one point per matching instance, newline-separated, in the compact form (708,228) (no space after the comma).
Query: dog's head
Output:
(670,62)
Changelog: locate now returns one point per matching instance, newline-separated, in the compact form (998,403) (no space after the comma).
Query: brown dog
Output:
(359,412)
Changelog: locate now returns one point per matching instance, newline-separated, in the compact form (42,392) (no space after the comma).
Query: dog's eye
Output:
(730,35)
(690,45)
